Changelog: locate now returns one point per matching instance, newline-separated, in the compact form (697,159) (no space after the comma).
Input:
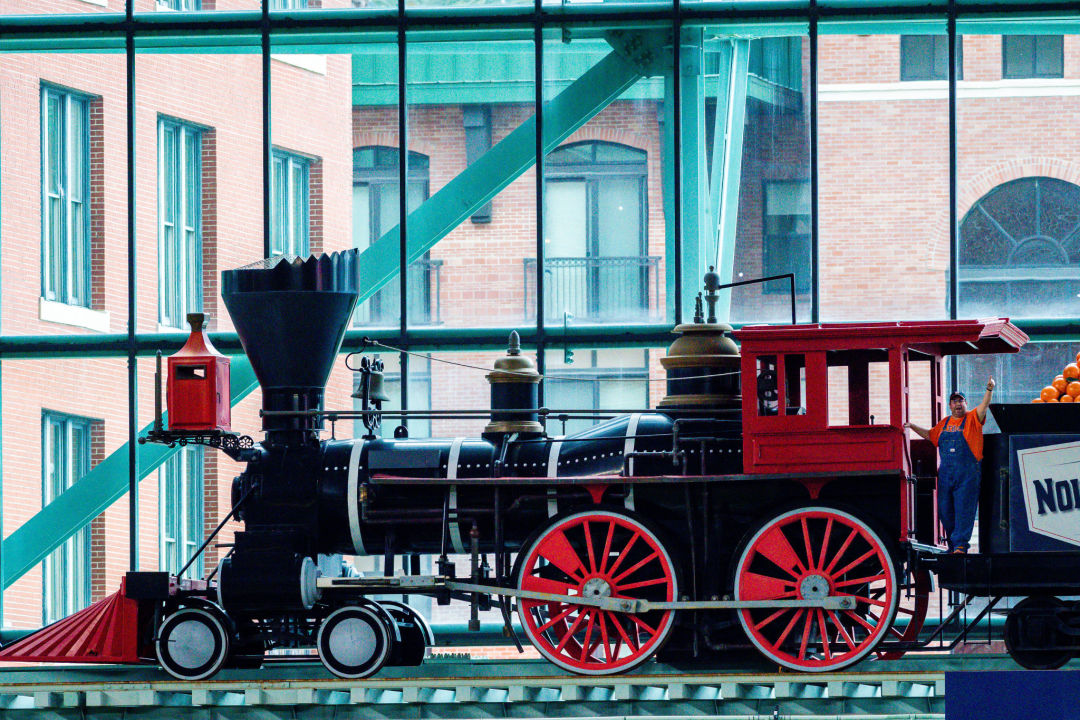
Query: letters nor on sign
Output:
(1050,478)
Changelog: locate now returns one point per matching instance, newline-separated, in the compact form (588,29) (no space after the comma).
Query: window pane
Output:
(465,98)
(1021,376)
(1019,56)
(1018,219)
(605,235)
(367,126)
(180,245)
(882,198)
(37,7)
(298,199)
(566,223)
(774,151)
(66,458)
(599,381)
(65,146)
(926,57)
(1049,56)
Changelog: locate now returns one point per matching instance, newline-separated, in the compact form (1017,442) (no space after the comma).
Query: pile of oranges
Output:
(1065,387)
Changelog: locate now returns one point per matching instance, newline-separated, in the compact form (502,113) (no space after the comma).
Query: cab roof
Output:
(931,337)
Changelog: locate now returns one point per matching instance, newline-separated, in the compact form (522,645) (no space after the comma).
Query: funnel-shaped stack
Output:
(291,315)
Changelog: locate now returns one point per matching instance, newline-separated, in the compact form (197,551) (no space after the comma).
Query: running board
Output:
(431,583)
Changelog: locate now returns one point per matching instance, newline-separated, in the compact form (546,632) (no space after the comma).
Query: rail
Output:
(596,289)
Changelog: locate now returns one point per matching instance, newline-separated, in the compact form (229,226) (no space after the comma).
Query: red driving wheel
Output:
(915,611)
(813,553)
(596,554)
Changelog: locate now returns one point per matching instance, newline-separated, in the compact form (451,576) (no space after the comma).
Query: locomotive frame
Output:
(659,530)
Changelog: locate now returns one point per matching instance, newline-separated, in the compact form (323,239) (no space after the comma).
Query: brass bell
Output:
(370,385)
(377,392)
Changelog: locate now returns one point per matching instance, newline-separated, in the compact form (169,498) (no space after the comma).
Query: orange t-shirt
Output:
(972,431)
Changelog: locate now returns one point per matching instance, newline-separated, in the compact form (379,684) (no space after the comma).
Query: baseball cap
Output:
(957,394)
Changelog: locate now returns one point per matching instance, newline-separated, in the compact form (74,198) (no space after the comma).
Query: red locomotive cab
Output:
(198,385)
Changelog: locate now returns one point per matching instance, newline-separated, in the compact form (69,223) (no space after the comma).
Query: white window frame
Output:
(284,239)
(180,482)
(65,573)
(71,285)
(182,283)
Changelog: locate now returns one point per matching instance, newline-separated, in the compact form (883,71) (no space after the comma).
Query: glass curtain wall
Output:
(614,230)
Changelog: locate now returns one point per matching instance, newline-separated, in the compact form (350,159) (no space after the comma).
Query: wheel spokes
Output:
(621,556)
(843,632)
(643,583)
(842,550)
(826,553)
(585,647)
(807,627)
(775,547)
(607,547)
(790,626)
(806,543)
(558,551)
(604,639)
(857,561)
(754,586)
(589,548)
(598,554)
(569,632)
(824,635)
(825,543)
(622,632)
(556,619)
(636,566)
(860,581)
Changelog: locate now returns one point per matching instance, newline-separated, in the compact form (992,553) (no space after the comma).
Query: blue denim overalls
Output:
(958,486)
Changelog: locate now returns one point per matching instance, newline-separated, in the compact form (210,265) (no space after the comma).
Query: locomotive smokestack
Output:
(291,315)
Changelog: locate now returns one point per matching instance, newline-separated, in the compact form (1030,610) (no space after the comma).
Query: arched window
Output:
(595,233)
(1019,256)
(1019,249)
(376,204)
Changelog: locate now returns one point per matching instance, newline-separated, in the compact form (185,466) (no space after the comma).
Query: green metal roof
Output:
(502,72)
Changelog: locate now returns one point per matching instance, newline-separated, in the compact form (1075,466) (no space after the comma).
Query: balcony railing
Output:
(596,289)
(384,307)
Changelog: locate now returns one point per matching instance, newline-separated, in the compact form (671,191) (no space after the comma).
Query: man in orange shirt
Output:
(959,440)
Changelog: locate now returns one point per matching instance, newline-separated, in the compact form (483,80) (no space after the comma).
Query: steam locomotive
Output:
(761,499)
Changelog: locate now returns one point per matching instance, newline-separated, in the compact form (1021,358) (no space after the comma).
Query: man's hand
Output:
(981,409)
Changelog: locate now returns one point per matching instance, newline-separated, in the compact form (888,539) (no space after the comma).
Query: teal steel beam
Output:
(724,51)
(508,159)
(727,168)
(696,220)
(95,492)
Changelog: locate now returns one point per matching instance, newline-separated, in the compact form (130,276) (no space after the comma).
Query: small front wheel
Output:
(353,642)
(192,643)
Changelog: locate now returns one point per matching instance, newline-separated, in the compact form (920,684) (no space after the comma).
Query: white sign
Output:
(1050,478)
